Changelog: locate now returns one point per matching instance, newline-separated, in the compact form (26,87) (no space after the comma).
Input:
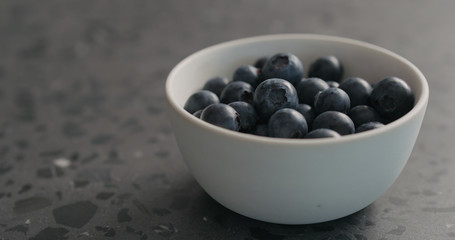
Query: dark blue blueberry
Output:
(322,133)
(198,113)
(337,121)
(273,95)
(262,130)
(358,90)
(287,123)
(332,99)
(216,85)
(285,66)
(237,91)
(260,62)
(333,83)
(329,68)
(363,113)
(247,114)
(392,98)
(248,74)
(307,111)
(307,88)
(368,126)
(199,100)
(222,115)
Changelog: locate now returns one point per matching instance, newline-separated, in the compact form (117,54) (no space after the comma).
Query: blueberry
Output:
(222,115)
(216,85)
(368,126)
(198,113)
(363,113)
(247,114)
(272,95)
(333,84)
(262,130)
(358,90)
(260,62)
(248,74)
(336,121)
(285,66)
(307,88)
(322,133)
(307,111)
(287,123)
(237,91)
(332,99)
(199,100)
(329,68)
(392,98)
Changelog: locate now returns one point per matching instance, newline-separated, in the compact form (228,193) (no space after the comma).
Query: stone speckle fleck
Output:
(31,204)
(141,207)
(139,233)
(161,211)
(104,195)
(80,183)
(76,214)
(48,233)
(25,188)
(166,230)
(22,228)
(123,216)
(108,231)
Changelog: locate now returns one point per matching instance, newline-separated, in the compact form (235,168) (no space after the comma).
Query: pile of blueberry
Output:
(273,98)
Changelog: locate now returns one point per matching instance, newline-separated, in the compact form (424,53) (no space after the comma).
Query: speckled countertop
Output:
(86,150)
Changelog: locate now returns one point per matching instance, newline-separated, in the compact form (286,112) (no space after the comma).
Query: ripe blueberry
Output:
(392,98)
(237,91)
(199,100)
(332,99)
(285,66)
(358,90)
(260,62)
(198,113)
(329,68)
(216,85)
(336,121)
(287,123)
(368,126)
(274,94)
(322,133)
(247,114)
(307,111)
(262,130)
(363,113)
(333,84)
(221,115)
(307,88)
(248,74)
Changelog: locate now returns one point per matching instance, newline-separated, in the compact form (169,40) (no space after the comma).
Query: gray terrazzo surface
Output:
(86,149)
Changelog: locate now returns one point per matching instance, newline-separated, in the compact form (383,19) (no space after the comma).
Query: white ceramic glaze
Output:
(294,181)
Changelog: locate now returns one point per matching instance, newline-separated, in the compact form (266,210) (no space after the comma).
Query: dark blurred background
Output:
(86,150)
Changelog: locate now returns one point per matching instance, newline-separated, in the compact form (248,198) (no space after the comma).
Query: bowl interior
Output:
(359,60)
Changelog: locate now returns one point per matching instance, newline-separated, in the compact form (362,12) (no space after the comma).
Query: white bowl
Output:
(294,181)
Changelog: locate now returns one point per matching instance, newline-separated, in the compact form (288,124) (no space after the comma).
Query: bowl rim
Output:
(419,105)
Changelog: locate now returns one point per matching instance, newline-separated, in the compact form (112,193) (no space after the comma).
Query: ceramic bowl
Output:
(294,181)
